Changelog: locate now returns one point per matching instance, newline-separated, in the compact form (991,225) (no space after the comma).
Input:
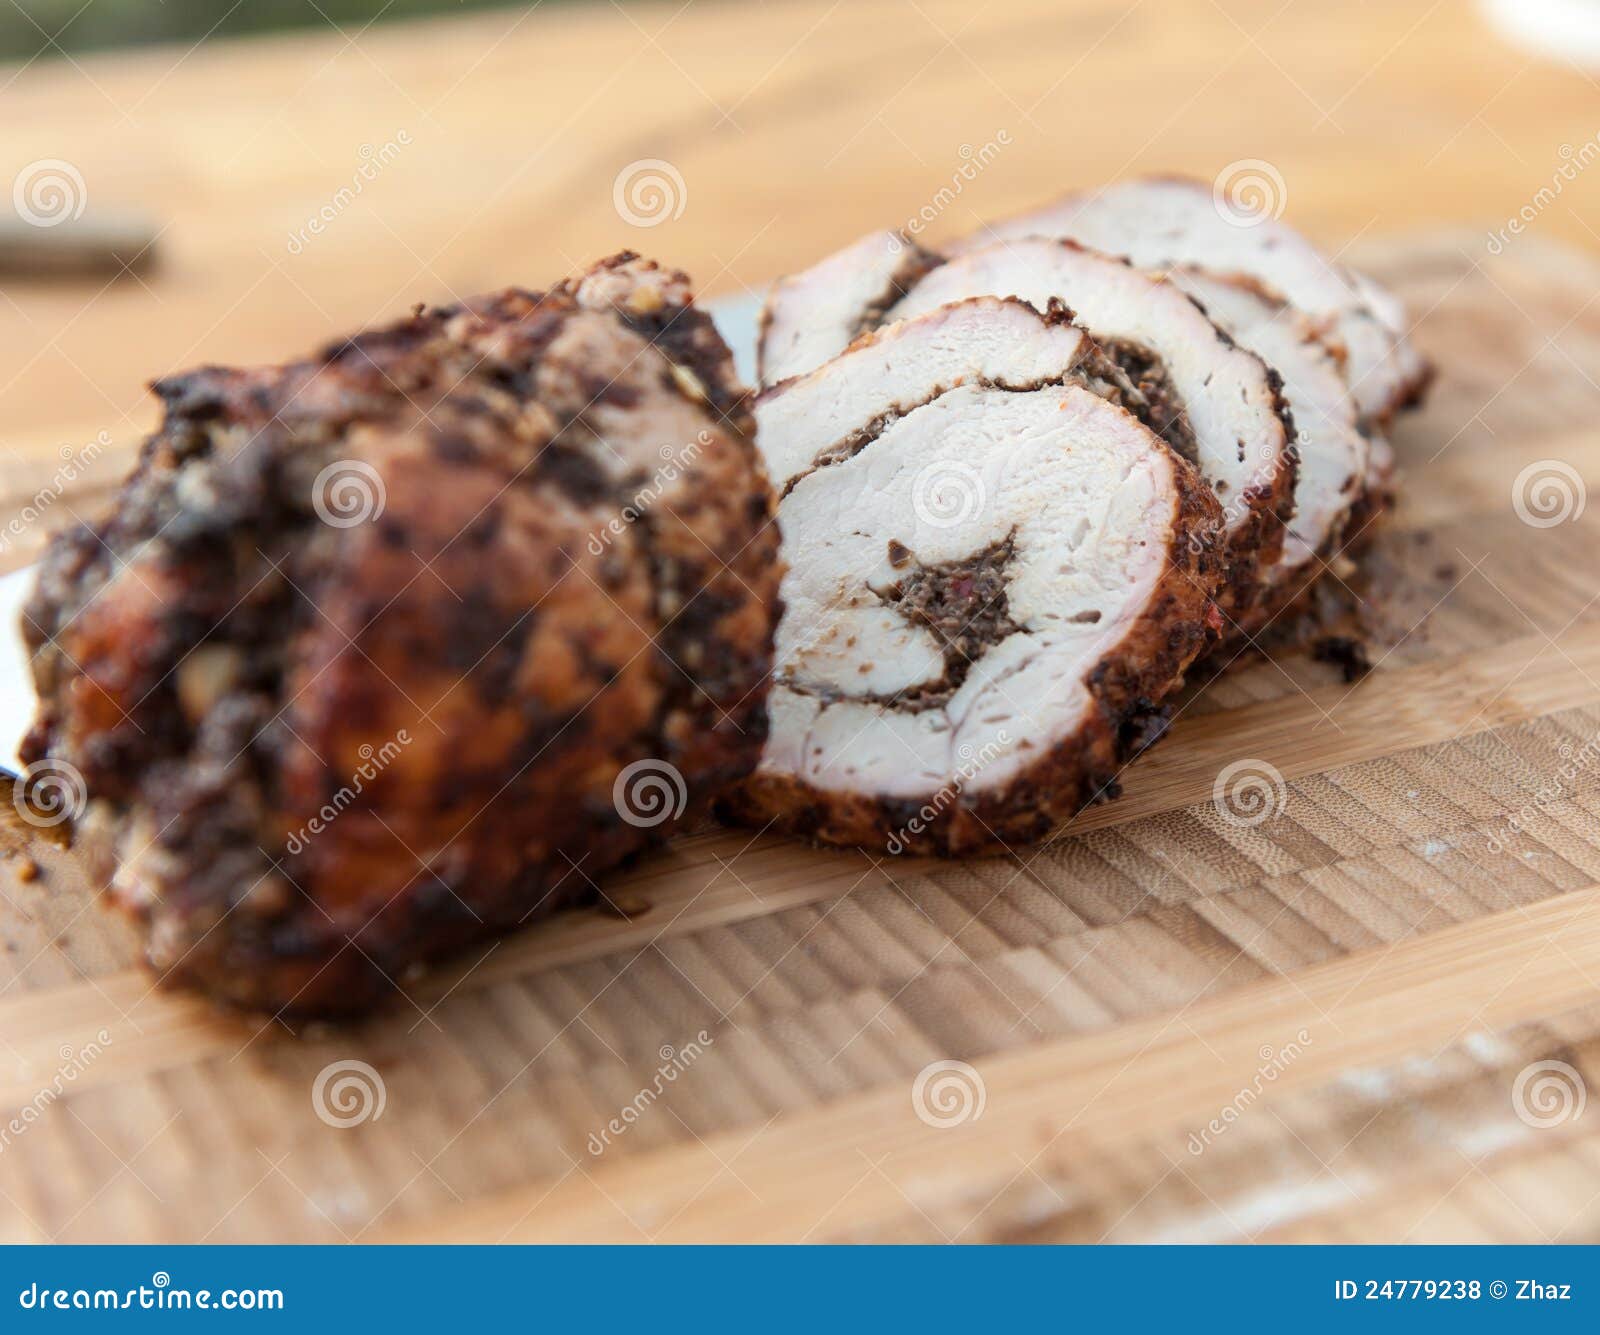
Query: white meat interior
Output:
(1227,395)
(811,315)
(1333,452)
(1157,223)
(1088,497)
(984,341)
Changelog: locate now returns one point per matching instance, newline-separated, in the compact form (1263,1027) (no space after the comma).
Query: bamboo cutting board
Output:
(1372,1015)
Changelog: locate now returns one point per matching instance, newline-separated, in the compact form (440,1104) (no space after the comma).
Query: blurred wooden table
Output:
(794,126)
(1114,992)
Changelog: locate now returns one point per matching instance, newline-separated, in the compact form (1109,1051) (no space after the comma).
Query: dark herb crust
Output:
(963,605)
(319,754)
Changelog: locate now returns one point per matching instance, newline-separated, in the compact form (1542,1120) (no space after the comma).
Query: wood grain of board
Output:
(717,879)
(875,1156)
(1422,903)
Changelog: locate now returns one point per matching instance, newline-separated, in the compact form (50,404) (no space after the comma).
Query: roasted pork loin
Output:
(1334,454)
(385,651)
(1161,222)
(1215,403)
(997,576)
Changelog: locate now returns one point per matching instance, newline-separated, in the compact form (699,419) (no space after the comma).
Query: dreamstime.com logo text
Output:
(1274,1062)
(1549,1093)
(973,761)
(649,192)
(49,792)
(372,163)
(49,192)
(1249,192)
(156,1296)
(973,161)
(1249,792)
(948,1093)
(649,792)
(674,1062)
(373,762)
(347,1093)
(75,461)
(675,462)
(1549,492)
(1207,537)
(74,1062)
(1573,161)
(348,492)
(1564,783)
(947,493)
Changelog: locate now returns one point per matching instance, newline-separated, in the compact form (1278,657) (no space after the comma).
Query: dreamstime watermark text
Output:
(372,163)
(374,760)
(1563,783)
(75,461)
(973,761)
(674,1062)
(1273,1063)
(74,1062)
(675,462)
(1573,161)
(156,1296)
(973,163)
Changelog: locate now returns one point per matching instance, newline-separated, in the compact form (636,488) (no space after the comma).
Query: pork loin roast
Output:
(1160,222)
(388,650)
(1216,404)
(997,575)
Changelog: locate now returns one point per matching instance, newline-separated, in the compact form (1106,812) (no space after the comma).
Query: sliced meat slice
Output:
(811,420)
(1376,496)
(1333,454)
(1414,370)
(1161,222)
(989,597)
(1214,402)
(810,315)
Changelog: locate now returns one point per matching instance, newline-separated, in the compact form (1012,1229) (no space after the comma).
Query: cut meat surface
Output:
(810,420)
(990,593)
(1333,453)
(809,316)
(1409,365)
(1361,529)
(1213,402)
(1219,404)
(1162,222)
(375,648)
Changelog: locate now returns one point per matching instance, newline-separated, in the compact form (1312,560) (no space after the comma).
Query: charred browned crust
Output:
(321,754)
(1411,394)
(1267,506)
(1125,715)
(1365,522)
(1264,509)
(656,303)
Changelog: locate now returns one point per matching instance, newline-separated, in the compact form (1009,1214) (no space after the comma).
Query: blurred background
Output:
(31,28)
(235,182)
